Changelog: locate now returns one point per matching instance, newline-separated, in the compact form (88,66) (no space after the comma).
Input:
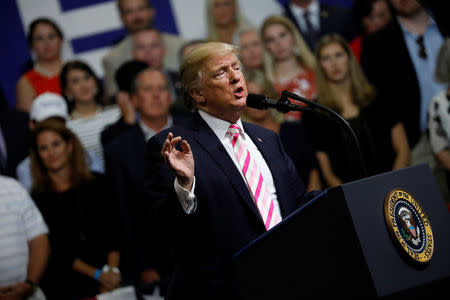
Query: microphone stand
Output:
(284,105)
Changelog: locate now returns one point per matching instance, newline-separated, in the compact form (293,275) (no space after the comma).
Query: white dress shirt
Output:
(314,15)
(220,127)
(148,132)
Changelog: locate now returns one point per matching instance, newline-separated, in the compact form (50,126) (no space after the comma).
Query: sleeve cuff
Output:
(186,198)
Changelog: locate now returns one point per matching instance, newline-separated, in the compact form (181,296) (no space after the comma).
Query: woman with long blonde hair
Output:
(225,21)
(343,87)
(288,62)
(75,205)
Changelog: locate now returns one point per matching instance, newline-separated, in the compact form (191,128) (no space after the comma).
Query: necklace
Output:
(43,71)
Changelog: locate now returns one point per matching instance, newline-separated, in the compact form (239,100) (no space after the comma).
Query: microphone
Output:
(260,102)
(283,105)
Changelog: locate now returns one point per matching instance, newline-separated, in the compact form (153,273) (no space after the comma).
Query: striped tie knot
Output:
(234,131)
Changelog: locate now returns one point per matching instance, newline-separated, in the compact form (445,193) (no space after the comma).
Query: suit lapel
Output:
(207,139)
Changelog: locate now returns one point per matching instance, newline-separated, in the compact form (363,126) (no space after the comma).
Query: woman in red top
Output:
(288,62)
(372,16)
(45,39)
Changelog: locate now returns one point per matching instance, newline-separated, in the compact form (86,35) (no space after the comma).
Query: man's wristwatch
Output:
(32,284)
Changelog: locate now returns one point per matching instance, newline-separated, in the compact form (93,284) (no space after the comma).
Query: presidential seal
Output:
(409,226)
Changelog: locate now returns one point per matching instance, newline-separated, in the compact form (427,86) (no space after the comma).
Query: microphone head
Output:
(256,101)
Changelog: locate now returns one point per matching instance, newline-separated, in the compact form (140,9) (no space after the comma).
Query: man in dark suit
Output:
(314,19)
(400,60)
(204,194)
(124,158)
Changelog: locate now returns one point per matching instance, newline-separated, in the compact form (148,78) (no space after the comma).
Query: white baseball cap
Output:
(48,105)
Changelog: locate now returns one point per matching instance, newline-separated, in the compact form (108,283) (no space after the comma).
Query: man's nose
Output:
(234,76)
(156,94)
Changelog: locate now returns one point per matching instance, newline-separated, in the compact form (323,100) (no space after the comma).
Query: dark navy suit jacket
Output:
(386,62)
(333,18)
(226,219)
(124,161)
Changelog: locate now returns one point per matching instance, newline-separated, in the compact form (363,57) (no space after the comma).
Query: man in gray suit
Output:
(136,15)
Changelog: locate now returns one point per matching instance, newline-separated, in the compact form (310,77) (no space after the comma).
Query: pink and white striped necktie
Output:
(255,180)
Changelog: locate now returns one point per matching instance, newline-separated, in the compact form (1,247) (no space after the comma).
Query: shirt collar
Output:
(148,132)
(431,24)
(298,11)
(219,126)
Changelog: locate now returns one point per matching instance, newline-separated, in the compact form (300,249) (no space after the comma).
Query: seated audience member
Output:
(13,150)
(136,15)
(45,39)
(50,106)
(314,19)
(288,63)
(148,47)
(293,135)
(77,207)
(439,122)
(124,162)
(251,50)
(371,16)
(83,91)
(224,20)
(24,243)
(343,88)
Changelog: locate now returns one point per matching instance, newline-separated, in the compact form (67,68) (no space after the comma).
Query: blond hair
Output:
(362,91)
(304,56)
(79,169)
(241,21)
(192,64)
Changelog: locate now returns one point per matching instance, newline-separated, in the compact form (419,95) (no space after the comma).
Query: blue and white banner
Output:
(91,27)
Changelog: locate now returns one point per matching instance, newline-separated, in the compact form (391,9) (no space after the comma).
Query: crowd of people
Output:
(78,145)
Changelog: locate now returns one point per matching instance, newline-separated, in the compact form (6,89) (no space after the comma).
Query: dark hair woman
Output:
(45,39)
(74,203)
(83,91)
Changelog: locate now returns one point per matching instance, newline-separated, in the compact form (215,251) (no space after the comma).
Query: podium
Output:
(339,246)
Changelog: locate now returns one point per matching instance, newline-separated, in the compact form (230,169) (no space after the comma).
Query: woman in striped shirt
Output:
(83,91)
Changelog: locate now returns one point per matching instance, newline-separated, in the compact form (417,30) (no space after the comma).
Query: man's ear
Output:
(197,95)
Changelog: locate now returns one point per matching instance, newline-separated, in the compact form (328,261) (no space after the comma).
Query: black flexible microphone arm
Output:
(284,105)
